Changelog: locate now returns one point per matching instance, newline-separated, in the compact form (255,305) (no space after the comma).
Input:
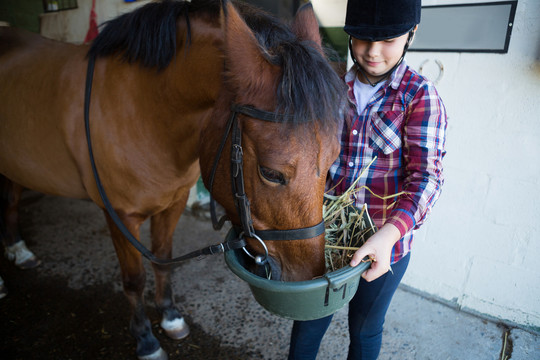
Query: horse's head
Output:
(285,159)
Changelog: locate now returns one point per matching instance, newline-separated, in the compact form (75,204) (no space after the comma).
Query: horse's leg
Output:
(162,228)
(133,279)
(3,290)
(15,247)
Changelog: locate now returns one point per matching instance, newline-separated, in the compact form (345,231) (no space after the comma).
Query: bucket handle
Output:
(337,279)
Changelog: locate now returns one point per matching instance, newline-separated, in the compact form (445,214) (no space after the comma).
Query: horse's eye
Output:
(272,175)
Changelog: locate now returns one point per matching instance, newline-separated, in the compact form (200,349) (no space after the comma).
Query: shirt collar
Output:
(397,75)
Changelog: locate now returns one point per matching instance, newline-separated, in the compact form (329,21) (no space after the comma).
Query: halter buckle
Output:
(237,156)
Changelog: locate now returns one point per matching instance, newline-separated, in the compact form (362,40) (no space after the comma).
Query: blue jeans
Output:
(367,310)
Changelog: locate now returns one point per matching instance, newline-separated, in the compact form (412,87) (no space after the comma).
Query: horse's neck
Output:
(170,105)
(193,81)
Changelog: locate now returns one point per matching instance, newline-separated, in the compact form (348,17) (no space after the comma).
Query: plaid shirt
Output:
(404,126)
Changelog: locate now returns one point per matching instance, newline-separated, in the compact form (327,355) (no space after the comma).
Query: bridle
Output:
(237,178)
(238,189)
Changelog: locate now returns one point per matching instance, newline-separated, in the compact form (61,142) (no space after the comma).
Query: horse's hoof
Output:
(176,329)
(21,256)
(159,354)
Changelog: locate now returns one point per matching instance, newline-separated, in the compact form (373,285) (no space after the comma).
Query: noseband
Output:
(240,198)
(238,189)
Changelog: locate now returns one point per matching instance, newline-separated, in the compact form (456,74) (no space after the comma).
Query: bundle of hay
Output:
(347,227)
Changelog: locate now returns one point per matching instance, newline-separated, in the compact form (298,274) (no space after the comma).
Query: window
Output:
(58,5)
(480,27)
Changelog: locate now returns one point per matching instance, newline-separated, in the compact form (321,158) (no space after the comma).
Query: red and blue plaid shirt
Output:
(404,127)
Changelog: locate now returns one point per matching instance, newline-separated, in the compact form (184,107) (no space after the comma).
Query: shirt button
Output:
(351,164)
(355,132)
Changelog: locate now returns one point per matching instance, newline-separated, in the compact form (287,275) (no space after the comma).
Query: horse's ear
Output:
(245,60)
(306,26)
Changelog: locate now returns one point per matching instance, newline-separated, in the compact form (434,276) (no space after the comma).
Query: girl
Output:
(397,116)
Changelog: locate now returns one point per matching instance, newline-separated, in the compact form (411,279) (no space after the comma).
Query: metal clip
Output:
(236,158)
(259,259)
(217,249)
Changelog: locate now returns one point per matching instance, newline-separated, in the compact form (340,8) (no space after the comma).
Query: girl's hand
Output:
(379,249)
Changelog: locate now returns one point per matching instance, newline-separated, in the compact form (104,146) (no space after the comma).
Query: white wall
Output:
(481,246)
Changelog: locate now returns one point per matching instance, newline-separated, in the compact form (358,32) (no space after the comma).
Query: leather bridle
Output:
(240,198)
(238,189)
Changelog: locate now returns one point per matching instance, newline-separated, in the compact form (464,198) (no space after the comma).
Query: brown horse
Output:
(165,78)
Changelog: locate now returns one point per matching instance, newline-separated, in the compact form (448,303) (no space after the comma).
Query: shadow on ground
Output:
(71,306)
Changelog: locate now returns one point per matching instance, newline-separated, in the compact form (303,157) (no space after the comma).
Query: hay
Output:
(346,230)
(347,227)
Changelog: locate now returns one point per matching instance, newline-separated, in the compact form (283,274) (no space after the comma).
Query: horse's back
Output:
(12,39)
(40,82)
(21,44)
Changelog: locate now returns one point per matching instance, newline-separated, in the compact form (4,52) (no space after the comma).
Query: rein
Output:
(240,197)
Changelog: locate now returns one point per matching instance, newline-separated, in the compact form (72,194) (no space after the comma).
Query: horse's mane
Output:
(309,88)
(146,35)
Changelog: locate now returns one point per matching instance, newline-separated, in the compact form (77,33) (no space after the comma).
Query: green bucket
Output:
(299,300)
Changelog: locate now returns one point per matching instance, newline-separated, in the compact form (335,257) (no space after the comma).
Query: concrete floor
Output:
(71,238)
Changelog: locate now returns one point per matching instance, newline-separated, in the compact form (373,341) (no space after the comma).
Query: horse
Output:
(168,78)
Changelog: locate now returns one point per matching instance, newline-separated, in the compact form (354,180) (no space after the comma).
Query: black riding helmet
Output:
(378,20)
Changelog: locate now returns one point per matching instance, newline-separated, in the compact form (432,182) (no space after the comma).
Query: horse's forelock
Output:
(310,89)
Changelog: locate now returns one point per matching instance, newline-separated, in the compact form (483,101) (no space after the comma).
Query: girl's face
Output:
(376,58)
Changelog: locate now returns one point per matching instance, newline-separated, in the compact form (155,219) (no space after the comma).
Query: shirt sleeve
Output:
(424,137)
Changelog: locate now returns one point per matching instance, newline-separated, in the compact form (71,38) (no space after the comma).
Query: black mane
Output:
(309,88)
(146,35)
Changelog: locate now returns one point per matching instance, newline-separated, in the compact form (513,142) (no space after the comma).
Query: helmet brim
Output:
(374,33)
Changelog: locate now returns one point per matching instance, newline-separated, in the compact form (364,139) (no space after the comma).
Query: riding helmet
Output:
(377,20)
